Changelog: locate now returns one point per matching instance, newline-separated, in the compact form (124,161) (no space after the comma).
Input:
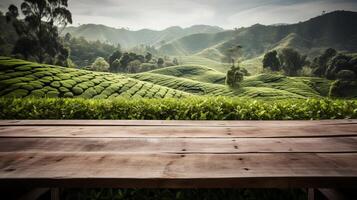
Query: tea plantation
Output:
(20,78)
(262,86)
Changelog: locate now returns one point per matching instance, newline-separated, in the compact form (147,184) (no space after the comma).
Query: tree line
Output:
(38,39)
(331,64)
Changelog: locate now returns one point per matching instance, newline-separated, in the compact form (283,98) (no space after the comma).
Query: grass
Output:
(193,72)
(20,78)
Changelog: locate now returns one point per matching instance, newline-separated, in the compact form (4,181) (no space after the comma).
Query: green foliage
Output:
(271,61)
(320,63)
(192,108)
(38,35)
(291,61)
(341,62)
(100,65)
(346,75)
(83,52)
(193,72)
(160,62)
(77,90)
(54,81)
(234,77)
(342,88)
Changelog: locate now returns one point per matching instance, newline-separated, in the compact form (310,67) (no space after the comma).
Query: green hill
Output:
(336,30)
(202,61)
(264,86)
(186,85)
(20,78)
(195,43)
(193,72)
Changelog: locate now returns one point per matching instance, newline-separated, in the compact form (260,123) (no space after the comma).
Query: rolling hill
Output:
(265,86)
(20,78)
(195,43)
(127,38)
(193,72)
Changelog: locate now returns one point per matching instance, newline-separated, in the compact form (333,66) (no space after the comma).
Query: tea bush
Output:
(190,108)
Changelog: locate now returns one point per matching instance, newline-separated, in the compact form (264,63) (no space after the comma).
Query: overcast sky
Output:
(160,14)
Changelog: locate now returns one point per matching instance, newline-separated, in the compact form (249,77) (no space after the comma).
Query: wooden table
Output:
(179,154)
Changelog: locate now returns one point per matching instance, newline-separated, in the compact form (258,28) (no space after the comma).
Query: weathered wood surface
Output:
(178,154)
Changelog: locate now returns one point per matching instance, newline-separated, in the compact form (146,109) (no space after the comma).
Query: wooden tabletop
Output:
(178,154)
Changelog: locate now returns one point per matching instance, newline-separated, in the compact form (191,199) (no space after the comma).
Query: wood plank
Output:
(179,131)
(205,123)
(180,145)
(321,170)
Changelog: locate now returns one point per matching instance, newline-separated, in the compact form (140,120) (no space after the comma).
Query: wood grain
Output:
(180,145)
(179,131)
(200,123)
(259,170)
(178,154)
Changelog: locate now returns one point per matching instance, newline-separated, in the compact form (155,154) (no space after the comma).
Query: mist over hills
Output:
(336,29)
(127,38)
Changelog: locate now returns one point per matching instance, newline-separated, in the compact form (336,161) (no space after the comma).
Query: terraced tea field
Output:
(194,72)
(186,85)
(20,78)
(263,86)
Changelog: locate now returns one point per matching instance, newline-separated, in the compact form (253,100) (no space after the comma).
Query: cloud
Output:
(159,14)
(286,13)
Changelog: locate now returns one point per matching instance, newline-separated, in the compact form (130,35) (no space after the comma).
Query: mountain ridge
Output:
(337,30)
(130,38)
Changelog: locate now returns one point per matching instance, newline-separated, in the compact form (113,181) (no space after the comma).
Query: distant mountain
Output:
(336,29)
(127,38)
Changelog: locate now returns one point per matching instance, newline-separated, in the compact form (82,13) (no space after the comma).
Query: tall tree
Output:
(291,61)
(320,63)
(271,61)
(39,28)
(232,54)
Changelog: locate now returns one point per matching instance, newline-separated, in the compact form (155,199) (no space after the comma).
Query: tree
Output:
(38,28)
(133,66)
(175,61)
(234,77)
(83,52)
(116,55)
(160,62)
(271,61)
(100,65)
(291,61)
(320,63)
(231,54)
(115,66)
(338,63)
(148,57)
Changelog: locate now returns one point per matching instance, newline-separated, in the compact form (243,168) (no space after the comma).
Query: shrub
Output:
(77,90)
(346,75)
(100,65)
(192,108)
